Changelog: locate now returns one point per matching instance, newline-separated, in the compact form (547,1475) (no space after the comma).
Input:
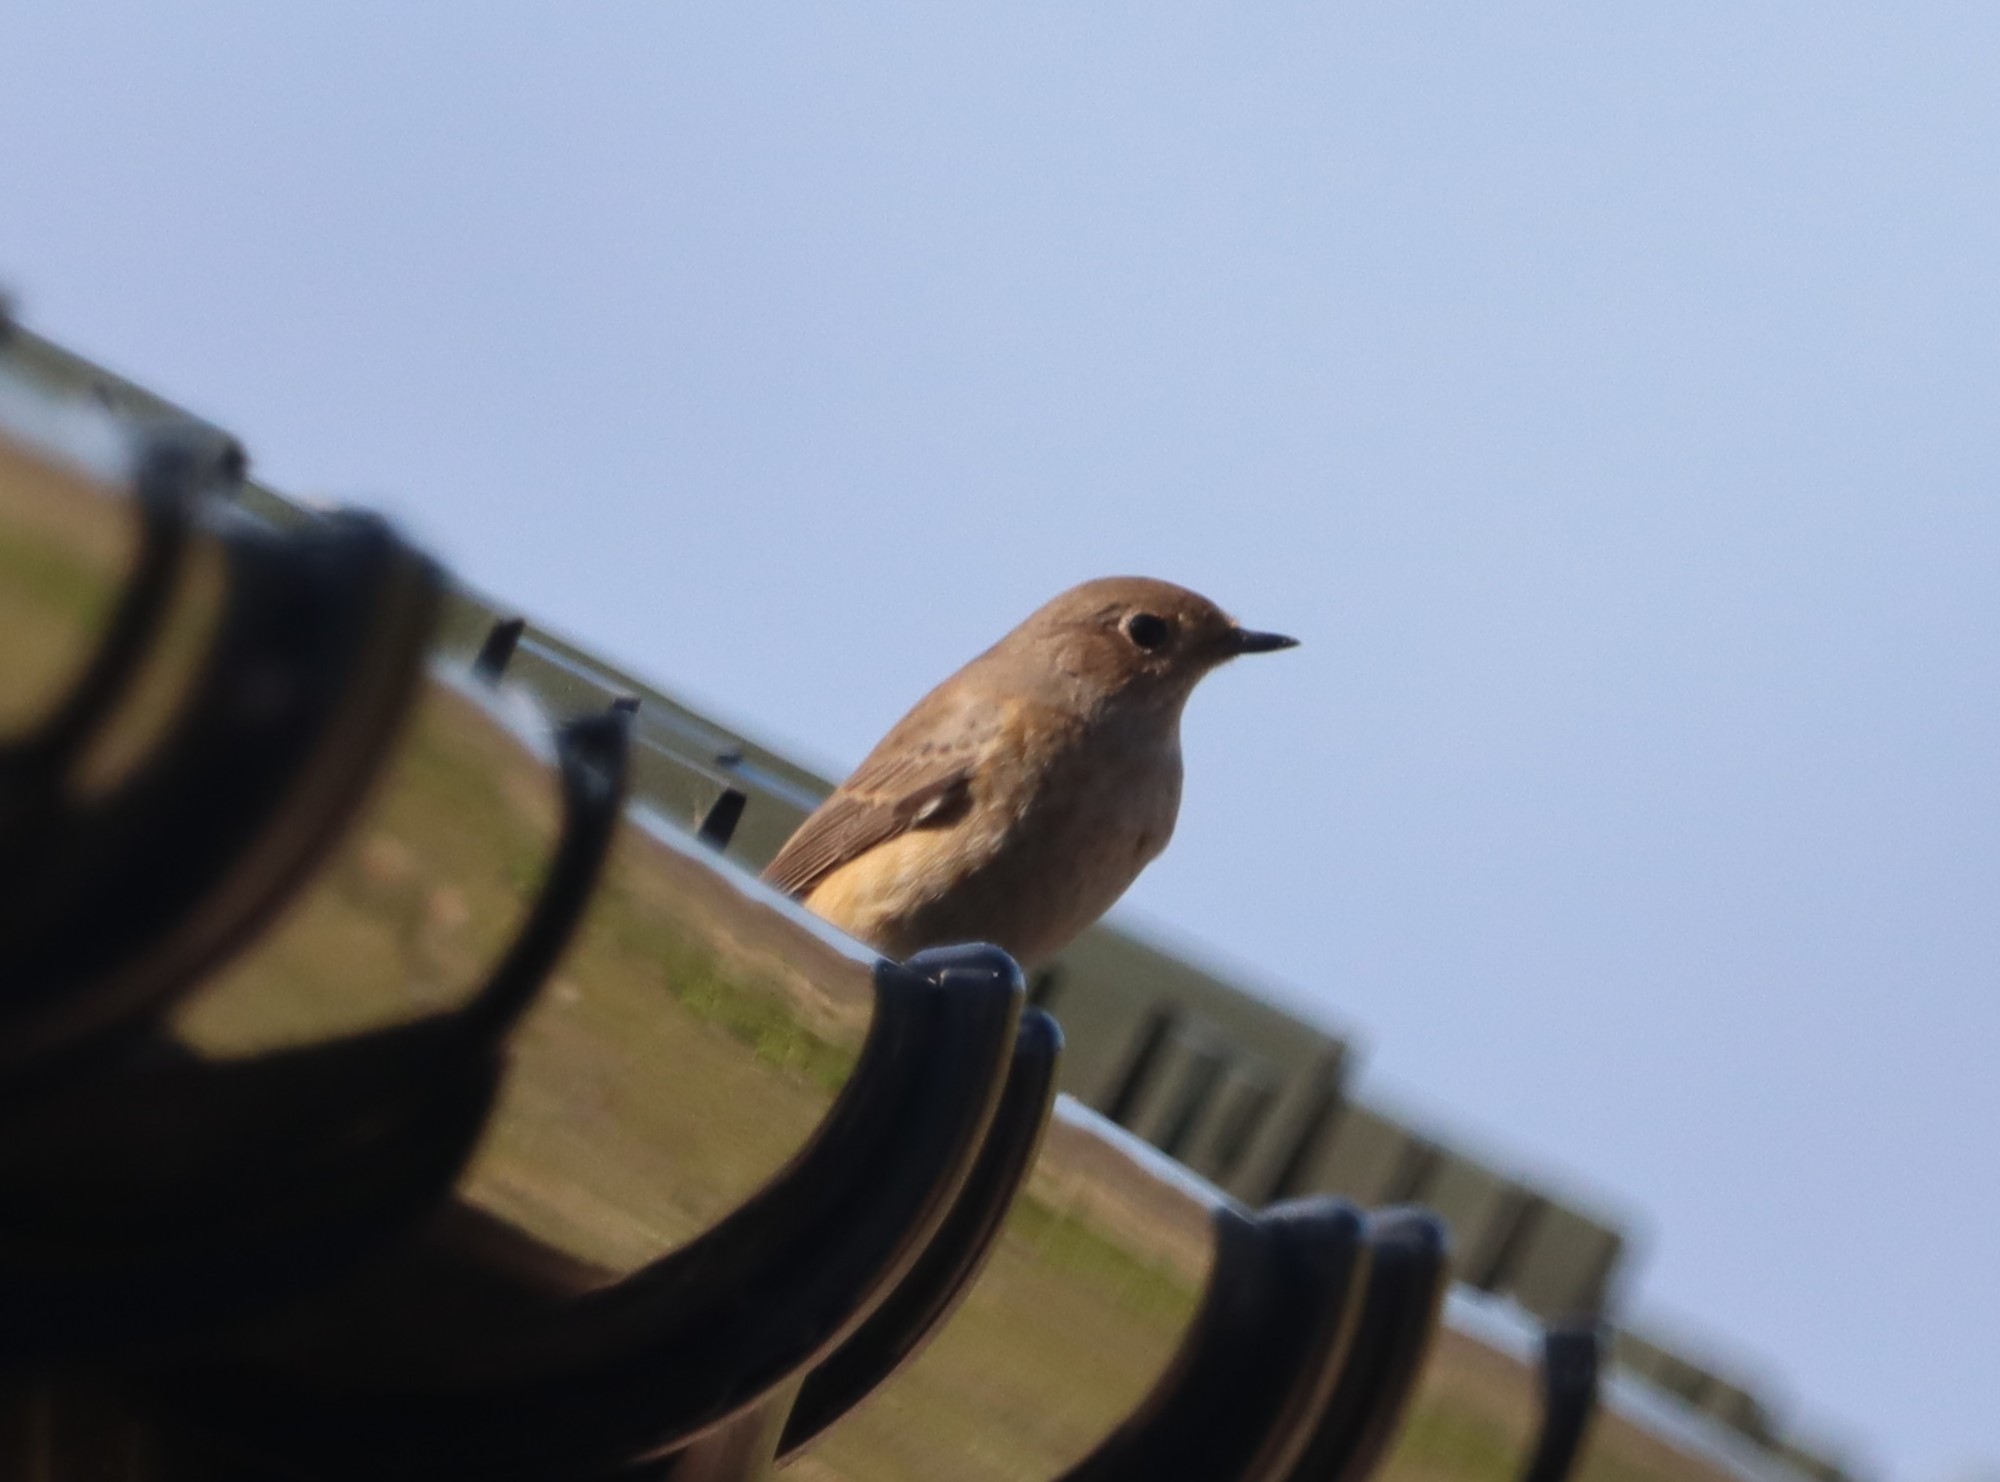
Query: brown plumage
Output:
(1017,800)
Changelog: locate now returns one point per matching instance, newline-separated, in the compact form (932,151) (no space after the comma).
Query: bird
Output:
(1020,798)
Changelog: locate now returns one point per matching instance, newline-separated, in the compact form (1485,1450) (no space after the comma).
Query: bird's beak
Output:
(1243,641)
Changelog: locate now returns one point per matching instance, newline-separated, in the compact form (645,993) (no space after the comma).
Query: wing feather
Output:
(920,776)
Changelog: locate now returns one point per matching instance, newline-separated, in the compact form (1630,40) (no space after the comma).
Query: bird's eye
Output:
(1148,630)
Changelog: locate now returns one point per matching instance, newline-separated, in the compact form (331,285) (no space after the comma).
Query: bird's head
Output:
(1134,636)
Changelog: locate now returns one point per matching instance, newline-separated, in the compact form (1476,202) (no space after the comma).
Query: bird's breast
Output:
(1055,831)
(1068,840)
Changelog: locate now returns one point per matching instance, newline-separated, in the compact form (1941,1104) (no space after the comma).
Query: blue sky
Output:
(1609,401)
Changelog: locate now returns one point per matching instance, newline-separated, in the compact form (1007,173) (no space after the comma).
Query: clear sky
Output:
(1608,396)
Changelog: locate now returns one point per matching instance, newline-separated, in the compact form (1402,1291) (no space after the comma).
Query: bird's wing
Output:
(920,776)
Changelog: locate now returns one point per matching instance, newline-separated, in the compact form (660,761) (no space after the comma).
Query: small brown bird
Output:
(1021,797)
